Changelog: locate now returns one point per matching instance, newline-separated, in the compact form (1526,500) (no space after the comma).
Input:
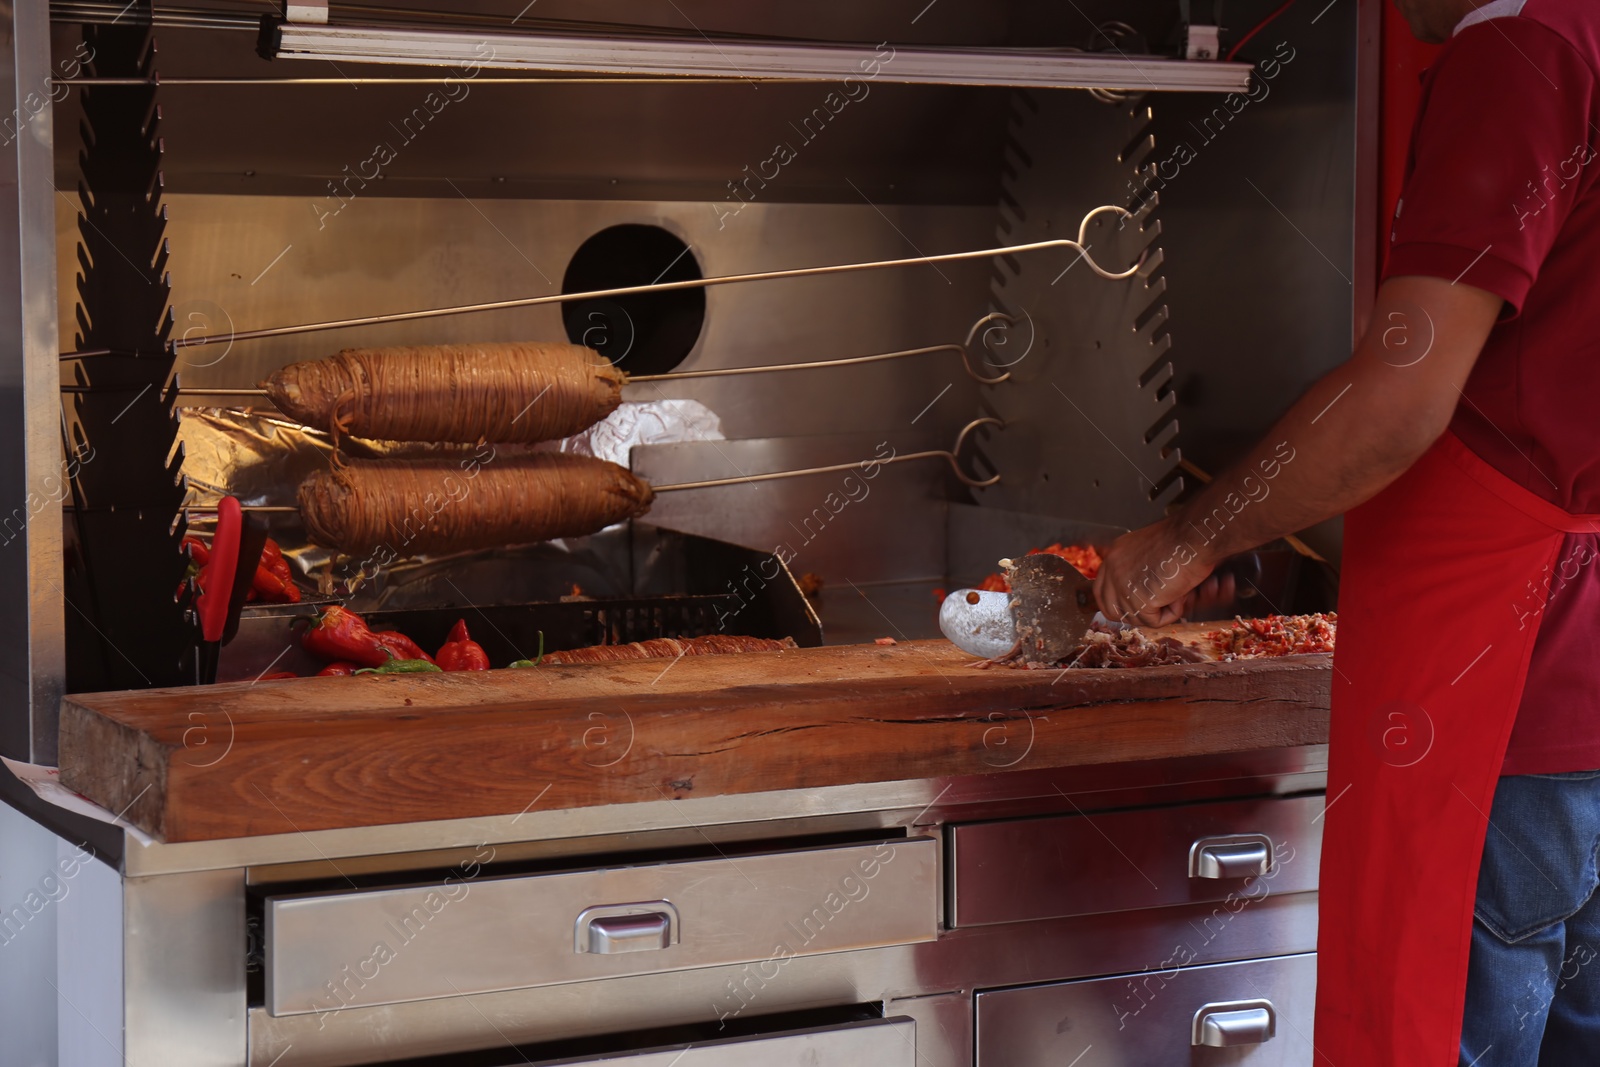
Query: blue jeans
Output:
(1533,984)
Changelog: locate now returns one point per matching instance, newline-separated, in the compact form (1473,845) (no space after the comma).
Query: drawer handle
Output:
(610,929)
(1244,856)
(1236,1022)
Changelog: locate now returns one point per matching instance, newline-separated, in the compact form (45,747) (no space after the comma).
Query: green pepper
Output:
(402,666)
(531,662)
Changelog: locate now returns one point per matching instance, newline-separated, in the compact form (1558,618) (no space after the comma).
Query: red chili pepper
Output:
(273,581)
(399,646)
(199,554)
(460,652)
(271,589)
(340,634)
(339,669)
(272,559)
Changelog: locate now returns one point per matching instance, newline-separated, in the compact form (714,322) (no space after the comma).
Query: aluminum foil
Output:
(654,422)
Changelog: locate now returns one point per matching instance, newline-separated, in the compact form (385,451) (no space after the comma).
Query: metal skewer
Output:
(196,391)
(964,349)
(952,456)
(664,287)
(683,79)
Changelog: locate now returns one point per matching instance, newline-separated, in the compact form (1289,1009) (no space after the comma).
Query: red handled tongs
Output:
(224,583)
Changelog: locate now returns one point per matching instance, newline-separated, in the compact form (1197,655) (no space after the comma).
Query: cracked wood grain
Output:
(323,753)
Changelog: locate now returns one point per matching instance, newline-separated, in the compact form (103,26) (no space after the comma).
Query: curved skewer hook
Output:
(952,457)
(1083,235)
(955,452)
(979,330)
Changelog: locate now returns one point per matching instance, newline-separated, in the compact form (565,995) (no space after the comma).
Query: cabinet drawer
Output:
(881,1043)
(1054,867)
(1257,1013)
(325,951)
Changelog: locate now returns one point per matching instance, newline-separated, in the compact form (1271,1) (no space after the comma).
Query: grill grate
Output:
(124,630)
(511,632)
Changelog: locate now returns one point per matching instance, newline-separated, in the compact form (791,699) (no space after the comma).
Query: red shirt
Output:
(1501,194)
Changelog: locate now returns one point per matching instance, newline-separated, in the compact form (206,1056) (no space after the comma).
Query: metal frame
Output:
(183,993)
(325,853)
(1369,106)
(738,60)
(125,629)
(32,477)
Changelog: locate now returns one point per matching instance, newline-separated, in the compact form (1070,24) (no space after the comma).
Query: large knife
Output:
(1046,613)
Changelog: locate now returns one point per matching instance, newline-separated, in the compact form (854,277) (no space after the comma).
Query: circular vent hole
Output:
(647,333)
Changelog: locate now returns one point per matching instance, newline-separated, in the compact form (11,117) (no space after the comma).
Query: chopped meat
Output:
(1105,646)
(884,641)
(1276,635)
(1129,647)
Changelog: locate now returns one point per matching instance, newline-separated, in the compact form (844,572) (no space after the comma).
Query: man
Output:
(1463,810)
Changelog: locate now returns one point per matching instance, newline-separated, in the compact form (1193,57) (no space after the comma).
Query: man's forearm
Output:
(1351,434)
(1330,452)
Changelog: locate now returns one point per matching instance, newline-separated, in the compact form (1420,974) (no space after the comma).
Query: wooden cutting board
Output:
(241,759)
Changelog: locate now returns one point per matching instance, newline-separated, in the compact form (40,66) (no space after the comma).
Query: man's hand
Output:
(1355,431)
(1148,575)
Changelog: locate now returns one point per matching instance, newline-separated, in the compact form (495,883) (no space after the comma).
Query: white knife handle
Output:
(978,622)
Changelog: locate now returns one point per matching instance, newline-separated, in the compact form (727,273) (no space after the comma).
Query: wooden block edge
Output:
(140,798)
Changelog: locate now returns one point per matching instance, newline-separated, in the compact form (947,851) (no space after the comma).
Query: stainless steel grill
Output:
(194,216)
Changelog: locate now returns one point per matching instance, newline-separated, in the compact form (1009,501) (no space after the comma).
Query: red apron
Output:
(1445,578)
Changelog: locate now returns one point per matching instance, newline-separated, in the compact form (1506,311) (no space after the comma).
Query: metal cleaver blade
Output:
(1052,604)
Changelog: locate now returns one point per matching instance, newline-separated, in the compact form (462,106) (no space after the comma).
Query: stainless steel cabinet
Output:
(333,950)
(1256,1013)
(1053,867)
(878,1043)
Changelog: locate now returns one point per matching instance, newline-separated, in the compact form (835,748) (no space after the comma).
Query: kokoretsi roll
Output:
(501,393)
(406,508)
